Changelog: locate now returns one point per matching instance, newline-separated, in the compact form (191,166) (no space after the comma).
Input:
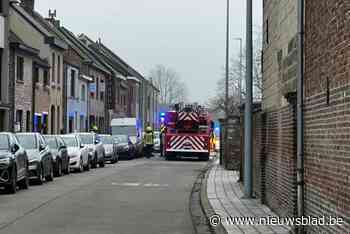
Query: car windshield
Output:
(51,141)
(106,139)
(87,139)
(70,141)
(27,141)
(4,141)
(121,138)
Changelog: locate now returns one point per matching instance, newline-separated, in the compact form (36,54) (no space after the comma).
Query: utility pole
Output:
(300,114)
(248,120)
(240,69)
(226,77)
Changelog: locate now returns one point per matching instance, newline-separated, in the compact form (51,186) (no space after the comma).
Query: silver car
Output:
(110,147)
(96,150)
(156,145)
(78,153)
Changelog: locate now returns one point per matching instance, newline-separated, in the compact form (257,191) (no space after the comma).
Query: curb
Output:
(200,208)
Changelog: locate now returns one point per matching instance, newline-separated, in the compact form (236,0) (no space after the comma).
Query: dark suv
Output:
(39,156)
(59,154)
(13,164)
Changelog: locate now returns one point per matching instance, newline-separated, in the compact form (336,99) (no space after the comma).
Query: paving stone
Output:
(225,195)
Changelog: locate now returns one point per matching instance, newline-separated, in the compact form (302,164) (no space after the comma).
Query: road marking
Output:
(156,185)
(127,184)
(139,184)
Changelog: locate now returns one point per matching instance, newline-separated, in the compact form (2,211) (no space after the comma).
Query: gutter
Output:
(300,115)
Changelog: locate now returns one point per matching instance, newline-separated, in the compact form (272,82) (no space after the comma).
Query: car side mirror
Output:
(62,147)
(96,142)
(81,146)
(14,148)
(42,147)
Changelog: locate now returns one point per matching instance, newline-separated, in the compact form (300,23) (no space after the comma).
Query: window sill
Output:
(19,81)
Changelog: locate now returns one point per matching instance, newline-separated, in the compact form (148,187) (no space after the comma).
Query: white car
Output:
(156,146)
(78,153)
(110,148)
(96,150)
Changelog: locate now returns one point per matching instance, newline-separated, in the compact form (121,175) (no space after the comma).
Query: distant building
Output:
(47,74)
(6,120)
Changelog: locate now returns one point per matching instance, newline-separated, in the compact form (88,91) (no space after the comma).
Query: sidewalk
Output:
(225,197)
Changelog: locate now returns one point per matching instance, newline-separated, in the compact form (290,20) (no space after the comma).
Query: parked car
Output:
(13,164)
(59,154)
(156,146)
(138,146)
(125,148)
(78,153)
(110,147)
(96,150)
(39,156)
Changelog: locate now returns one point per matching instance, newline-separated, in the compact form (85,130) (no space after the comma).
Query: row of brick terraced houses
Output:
(54,81)
(326,112)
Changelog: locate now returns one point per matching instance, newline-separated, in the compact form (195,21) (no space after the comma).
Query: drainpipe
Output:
(300,114)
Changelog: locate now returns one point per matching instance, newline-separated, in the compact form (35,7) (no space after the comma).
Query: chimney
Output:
(28,5)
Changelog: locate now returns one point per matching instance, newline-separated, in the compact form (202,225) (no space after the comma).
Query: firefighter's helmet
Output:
(148,129)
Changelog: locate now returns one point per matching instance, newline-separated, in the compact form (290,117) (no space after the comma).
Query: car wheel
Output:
(24,183)
(49,177)
(67,169)
(94,162)
(12,188)
(87,167)
(102,163)
(58,172)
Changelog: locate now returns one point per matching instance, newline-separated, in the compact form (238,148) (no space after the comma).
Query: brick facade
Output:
(327,112)
(274,162)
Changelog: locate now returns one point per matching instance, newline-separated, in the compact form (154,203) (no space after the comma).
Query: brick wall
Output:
(274,161)
(327,112)
(280,161)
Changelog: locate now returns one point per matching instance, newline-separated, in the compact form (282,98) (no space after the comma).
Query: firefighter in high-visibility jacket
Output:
(148,140)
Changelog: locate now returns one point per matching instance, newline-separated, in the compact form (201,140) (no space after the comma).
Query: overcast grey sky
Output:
(186,35)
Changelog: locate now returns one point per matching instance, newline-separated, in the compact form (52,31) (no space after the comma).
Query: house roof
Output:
(36,21)
(21,45)
(83,51)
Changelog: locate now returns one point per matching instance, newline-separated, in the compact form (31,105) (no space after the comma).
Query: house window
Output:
(36,75)
(58,69)
(92,88)
(267,31)
(97,87)
(53,64)
(20,71)
(83,92)
(19,118)
(58,120)
(72,83)
(46,78)
(28,118)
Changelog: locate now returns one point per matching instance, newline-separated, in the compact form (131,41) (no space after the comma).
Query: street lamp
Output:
(227,77)
(240,69)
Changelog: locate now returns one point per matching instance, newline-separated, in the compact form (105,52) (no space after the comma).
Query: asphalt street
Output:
(139,196)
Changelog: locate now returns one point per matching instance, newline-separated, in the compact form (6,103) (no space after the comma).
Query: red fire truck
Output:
(188,132)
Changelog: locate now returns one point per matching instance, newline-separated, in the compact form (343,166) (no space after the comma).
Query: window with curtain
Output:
(72,83)
(83,92)
(20,68)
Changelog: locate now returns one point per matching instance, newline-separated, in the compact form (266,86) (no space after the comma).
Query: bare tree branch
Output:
(172,88)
